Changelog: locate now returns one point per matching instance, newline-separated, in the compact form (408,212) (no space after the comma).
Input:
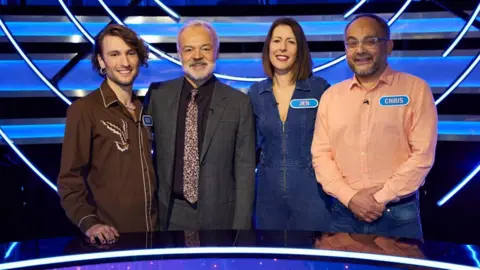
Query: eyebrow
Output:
(117,51)
(282,37)
(350,37)
(191,46)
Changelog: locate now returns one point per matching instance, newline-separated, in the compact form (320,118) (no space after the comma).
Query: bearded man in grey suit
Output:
(204,141)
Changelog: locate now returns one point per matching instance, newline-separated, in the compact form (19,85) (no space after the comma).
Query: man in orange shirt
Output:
(375,138)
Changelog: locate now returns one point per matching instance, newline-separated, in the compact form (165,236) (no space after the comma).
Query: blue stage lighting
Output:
(457,188)
(32,65)
(10,249)
(195,252)
(459,80)
(462,33)
(76,22)
(354,8)
(246,79)
(168,10)
(474,254)
(29,164)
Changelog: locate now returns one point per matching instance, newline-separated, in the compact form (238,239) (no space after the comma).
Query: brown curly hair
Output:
(127,35)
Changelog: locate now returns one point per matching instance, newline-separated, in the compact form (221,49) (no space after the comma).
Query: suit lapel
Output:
(172,100)
(217,106)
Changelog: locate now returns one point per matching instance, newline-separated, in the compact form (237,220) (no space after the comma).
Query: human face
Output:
(197,53)
(283,49)
(367,48)
(120,61)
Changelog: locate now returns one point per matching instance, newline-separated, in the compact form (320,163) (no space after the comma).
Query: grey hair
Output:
(205,24)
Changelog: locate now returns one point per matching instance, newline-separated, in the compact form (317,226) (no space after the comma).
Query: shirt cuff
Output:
(87,222)
(346,195)
(384,196)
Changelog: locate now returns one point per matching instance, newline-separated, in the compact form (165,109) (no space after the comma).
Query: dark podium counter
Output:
(232,250)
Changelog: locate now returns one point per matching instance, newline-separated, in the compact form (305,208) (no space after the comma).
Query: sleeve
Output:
(75,161)
(258,135)
(326,170)
(422,140)
(147,101)
(244,167)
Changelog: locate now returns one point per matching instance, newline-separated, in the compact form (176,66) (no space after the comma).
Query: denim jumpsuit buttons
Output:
(288,195)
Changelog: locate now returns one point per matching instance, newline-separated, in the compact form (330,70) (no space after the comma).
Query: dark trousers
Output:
(399,220)
(183,217)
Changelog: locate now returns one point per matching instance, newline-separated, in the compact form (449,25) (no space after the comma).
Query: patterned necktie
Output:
(192,238)
(191,156)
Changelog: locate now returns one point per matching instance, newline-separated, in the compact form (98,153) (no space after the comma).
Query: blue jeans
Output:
(401,220)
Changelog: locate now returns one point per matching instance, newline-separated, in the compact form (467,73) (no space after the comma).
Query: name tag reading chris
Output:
(307,103)
(147,120)
(394,100)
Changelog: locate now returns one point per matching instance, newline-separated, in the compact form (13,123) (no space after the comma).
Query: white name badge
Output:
(391,101)
(307,103)
(147,120)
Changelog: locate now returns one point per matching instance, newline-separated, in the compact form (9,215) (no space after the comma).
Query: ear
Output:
(389,46)
(100,61)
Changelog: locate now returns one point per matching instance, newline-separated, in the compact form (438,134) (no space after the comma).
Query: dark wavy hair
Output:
(127,35)
(302,66)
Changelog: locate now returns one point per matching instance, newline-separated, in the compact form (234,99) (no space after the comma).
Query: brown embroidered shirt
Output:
(106,174)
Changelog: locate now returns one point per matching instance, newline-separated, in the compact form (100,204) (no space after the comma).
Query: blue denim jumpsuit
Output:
(288,195)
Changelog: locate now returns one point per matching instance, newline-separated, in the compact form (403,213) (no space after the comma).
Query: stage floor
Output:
(241,250)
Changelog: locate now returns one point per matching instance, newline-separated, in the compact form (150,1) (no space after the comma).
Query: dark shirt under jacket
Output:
(203,101)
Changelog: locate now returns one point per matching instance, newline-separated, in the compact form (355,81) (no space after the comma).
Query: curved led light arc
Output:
(168,10)
(29,164)
(463,32)
(399,12)
(31,64)
(459,186)
(474,254)
(459,80)
(235,250)
(10,249)
(354,8)
(76,22)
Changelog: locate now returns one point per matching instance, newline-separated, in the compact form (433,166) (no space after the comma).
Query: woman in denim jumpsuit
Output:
(285,107)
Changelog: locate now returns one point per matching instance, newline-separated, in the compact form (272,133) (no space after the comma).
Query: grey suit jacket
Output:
(227,160)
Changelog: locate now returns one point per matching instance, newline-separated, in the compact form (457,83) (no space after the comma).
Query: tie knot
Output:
(194,93)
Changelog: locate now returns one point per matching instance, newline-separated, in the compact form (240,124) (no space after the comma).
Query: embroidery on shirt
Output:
(122,145)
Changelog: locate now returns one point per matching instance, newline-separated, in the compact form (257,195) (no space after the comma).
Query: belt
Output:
(409,198)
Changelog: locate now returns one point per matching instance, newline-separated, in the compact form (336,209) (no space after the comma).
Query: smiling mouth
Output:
(363,60)
(198,66)
(282,57)
(124,72)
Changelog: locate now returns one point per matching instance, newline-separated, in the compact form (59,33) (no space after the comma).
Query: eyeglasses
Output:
(368,42)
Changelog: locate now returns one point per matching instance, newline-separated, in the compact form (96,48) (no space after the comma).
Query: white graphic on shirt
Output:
(122,145)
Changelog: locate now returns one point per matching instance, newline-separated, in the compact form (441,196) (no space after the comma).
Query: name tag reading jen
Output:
(394,100)
(307,103)
(147,120)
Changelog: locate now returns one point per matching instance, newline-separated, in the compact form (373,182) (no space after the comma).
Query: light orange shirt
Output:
(360,143)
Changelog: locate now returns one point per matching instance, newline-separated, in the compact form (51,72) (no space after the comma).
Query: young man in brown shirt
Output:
(107,182)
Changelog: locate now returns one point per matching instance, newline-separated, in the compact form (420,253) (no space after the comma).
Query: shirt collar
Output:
(207,85)
(303,85)
(108,96)
(386,77)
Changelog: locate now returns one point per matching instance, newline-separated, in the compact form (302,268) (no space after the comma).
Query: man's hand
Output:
(364,206)
(104,233)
